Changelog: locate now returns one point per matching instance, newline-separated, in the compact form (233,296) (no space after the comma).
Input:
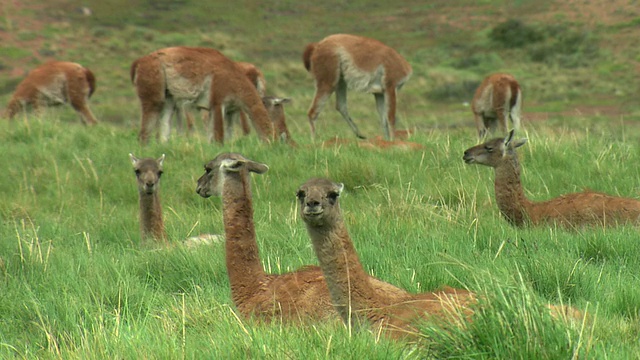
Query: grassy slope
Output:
(77,283)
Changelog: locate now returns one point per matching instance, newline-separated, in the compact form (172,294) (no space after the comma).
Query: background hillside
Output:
(575,57)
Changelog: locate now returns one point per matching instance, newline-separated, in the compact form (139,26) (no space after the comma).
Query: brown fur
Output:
(354,296)
(496,100)
(257,78)
(570,210)
(148,172)
(201,77)
(301,295)
(344,61)
(55,83)
(275,108)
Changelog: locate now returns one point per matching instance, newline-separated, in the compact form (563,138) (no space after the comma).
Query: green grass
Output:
(78,283)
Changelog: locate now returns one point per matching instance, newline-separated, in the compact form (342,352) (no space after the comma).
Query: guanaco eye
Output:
(333,196)
(206,169)
(137,172)
(488,149)
(300,195)
(160,173)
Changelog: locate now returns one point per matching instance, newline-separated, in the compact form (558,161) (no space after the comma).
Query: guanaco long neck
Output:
(151,224)
(242,255)
(348,283)
(512,202)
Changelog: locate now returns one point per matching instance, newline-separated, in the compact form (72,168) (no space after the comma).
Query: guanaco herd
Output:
(172,81)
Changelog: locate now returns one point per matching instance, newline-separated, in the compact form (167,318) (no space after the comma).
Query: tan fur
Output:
(55,83)
(354,296)
(148,172)
(200,77)
(301,295)
(497,99)
(570,210)
(344,61)
(275,108)
(257,78)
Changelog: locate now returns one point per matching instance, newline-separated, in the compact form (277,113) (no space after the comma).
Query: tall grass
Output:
(78,284)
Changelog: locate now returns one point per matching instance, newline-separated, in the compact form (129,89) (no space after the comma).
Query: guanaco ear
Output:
(517,143)
(510,142)
(160,160)
(339,188)
(134,159)
(257,167)
(508,138)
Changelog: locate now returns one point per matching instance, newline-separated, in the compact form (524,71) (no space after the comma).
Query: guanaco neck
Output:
(512,202)
(348,283)
(151,223)
(242,256)
(260,118)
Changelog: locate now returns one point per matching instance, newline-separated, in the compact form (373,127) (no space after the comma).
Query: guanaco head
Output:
(493,152)
(216,170)
(148,172)
(318,200)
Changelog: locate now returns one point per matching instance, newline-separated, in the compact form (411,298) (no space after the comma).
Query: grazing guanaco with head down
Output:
(352,294)
(301,295)
(275,108)
(257,78)
(199,77)
(344,61)
(570,210)
(496,100)
(55,83)
(148,172)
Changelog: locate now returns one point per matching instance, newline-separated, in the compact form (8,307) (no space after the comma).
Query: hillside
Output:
(582,66)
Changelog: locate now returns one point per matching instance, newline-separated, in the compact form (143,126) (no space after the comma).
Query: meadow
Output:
(78,283)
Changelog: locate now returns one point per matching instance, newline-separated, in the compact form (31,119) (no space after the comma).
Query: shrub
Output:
(566,48)
(515,34)
(558,45)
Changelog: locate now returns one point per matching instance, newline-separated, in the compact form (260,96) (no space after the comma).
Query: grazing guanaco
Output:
(55,83)
(257,78)
(199,77)
(496,100)
(343,61)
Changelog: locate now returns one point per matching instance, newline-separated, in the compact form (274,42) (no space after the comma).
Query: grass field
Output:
(77,282)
